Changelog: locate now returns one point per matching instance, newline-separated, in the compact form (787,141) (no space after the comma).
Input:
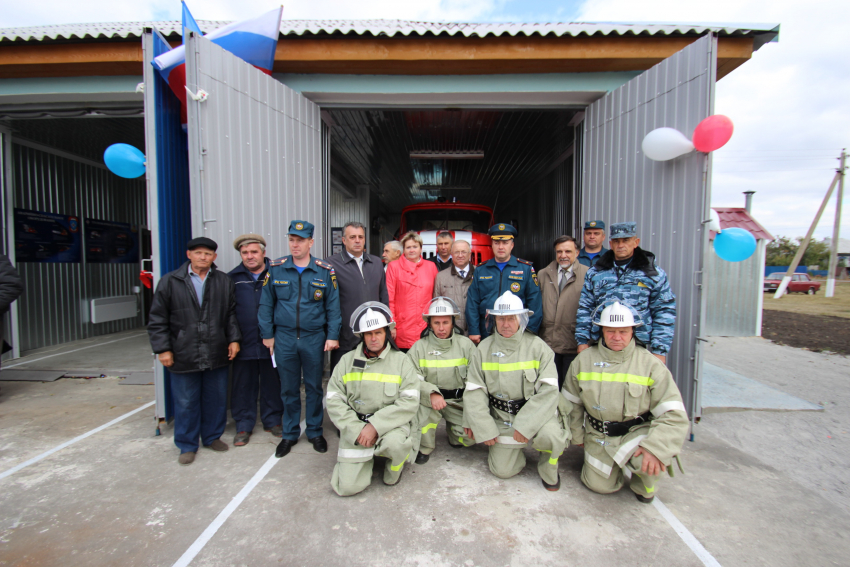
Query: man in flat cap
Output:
(300,321)
(253,372)
(503,272)
(594,236)
(628,274)
(194,331)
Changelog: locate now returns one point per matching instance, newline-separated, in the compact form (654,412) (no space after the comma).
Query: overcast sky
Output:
(789,103)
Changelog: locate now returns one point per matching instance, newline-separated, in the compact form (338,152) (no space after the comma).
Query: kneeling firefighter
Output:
(625,408)
(441,357)
(511,395)
(373,396)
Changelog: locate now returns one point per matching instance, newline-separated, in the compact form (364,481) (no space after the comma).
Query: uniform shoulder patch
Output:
(323,264)
(279,261)
(526,262)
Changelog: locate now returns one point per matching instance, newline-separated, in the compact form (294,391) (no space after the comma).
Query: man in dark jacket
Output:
(361,278)
(194,331)
(10,289)
(253,372)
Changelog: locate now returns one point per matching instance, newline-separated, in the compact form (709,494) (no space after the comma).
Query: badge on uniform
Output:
(317,294)
(515,287)
(333,278)
(435,353)
(602,364)
(641,284)
(534,277)
(499,354)
(266,279)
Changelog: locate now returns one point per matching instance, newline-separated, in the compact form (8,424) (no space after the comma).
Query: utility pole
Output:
(839,177)
(833,252)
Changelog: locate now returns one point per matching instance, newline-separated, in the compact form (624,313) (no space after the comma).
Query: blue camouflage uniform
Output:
(294,310)
(488,283)
(640,284)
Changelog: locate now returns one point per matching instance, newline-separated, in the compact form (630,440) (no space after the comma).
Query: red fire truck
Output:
(463,220)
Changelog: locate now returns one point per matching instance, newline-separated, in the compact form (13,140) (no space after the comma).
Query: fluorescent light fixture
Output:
(447,155)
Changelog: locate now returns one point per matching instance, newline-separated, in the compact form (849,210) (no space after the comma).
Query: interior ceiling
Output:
(85,137)
(372,147)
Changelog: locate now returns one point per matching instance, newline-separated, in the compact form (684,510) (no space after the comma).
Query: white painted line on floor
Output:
(72,441)
(702,553)
(70,351)
(205,537)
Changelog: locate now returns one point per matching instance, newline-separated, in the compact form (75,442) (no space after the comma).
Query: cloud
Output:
(789,104)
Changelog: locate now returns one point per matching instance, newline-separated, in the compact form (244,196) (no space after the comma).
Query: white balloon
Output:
(663,144)
(714,222)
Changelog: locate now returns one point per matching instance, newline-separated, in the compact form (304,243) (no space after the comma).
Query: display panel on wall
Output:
(110,242)
(336,239)
(47,237)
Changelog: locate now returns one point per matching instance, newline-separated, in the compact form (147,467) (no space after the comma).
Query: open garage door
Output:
(255,153)
(668,200)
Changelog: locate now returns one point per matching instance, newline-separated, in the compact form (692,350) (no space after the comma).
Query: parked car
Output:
(799,283)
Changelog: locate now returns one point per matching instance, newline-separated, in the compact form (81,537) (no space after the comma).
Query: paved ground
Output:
(758,490)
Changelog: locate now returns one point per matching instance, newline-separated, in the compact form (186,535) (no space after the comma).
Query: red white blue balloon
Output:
(124,161)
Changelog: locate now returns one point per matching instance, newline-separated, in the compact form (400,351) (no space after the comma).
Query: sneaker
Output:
(186,458)
(218,445)
(241,439)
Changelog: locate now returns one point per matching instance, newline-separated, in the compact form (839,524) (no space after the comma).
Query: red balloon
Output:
(713,133)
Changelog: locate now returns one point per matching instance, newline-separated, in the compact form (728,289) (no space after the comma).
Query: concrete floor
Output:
(118,497)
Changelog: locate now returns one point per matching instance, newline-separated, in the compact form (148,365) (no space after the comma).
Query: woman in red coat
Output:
(410,284)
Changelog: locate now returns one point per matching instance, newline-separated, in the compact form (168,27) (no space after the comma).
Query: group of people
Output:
(413,341)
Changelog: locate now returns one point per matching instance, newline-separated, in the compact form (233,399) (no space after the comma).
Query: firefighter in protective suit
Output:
(441,357)
(511,395)
(635,417)
(373,395)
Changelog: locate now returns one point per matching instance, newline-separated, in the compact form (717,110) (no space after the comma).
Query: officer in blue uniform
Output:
(299,301)
(494,277)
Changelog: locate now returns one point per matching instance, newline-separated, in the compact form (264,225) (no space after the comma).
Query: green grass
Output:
(818,304)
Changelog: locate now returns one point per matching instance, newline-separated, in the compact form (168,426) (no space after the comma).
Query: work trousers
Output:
(252,378)
(295,356)
(428,420)
(336,355)
(506,458)
(200,407)
(562,364)
(640,483)
(353,471)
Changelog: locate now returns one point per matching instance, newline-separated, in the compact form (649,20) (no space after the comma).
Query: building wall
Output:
(343,210)
(54,307)
(543,213)
(735,294)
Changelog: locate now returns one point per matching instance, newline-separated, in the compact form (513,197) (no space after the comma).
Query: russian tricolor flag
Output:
(253,41)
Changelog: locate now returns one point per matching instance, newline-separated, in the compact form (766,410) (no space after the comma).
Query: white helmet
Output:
(370,316)
(616,315)
(508,304)
(441,306)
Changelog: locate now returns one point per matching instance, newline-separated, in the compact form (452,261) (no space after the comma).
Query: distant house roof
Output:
(843,245)
(739,217)
(762,33)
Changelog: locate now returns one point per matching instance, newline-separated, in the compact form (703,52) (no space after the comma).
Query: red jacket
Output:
(410,287)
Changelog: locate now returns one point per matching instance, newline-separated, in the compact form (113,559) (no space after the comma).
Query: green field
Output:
(818,304)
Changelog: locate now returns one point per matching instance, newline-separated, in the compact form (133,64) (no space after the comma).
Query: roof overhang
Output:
(390,47)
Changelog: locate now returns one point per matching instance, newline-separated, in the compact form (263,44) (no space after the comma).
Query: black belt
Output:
(510,406)
(616,428)
(364,417)
(452,394)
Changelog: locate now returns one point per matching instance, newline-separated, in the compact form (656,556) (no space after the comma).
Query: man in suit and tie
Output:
(560,286)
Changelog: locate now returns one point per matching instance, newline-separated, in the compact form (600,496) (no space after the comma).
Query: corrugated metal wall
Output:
(734,291)
(668,199)
(543,213)
(54,308)
(255,154)
(343,210)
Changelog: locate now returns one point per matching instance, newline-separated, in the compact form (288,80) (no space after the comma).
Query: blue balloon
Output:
(124,161)
(734,244)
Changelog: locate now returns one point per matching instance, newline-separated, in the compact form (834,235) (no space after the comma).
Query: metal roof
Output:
(739,217)
(392,28)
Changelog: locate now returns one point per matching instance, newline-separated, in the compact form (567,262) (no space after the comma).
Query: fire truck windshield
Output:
(442,219)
